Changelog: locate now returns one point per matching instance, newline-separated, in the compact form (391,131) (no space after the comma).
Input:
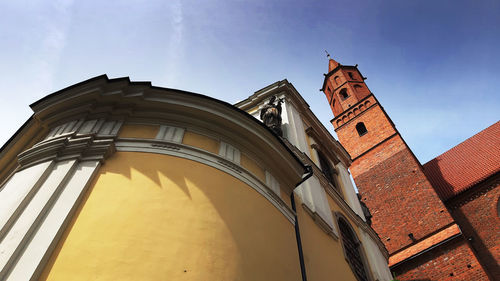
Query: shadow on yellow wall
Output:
(158,217)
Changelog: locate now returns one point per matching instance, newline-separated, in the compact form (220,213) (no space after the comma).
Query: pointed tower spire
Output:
(332,64)
(343,86)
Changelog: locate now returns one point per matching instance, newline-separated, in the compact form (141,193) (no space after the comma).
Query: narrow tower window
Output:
(360,127)
(337,80)
(343,93)
(351,75)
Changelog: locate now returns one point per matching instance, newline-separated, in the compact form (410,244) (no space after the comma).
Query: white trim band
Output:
(210,159)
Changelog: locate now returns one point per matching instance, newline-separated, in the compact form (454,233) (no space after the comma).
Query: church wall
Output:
(348,190)
(179,187)
(452,261)
(404,191)
(138,131)
(151,217)
(477,214)
(253,167)
(201,141)
(373,257)
(378,129)
(323,254)
(423,236)
(318,199)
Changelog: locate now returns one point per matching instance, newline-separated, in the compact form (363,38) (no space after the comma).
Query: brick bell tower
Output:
(406,210)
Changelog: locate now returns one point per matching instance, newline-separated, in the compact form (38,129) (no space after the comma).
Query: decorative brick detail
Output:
(378,127)
(452,261)
(354,111)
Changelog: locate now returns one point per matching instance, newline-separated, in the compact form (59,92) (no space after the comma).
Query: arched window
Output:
(337,80)
(360,127)
(352,249)
(327,169)
(343,94)
(351,75)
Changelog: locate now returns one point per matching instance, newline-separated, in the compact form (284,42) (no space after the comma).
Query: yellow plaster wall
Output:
(138,131)
(323,255)
(285,197)
(252,167)
(158,217)
(201,141)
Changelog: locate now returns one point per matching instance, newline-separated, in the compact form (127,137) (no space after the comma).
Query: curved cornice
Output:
(122,99)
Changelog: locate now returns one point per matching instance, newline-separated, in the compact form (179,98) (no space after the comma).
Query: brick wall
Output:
(477,214)
(377,124)
(398,195)
(451,261)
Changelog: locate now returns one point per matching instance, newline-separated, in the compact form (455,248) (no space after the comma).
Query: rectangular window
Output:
(169,133)
(229,152)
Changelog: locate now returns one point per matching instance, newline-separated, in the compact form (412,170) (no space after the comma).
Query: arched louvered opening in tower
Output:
(343,94)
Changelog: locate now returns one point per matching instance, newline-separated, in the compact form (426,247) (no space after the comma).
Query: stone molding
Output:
(210,159)
(42,194)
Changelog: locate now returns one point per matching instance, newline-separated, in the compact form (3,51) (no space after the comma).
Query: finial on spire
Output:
(327,54)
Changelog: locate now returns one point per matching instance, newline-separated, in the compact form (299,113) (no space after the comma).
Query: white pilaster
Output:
(32,260)
(313,196)
(297,135)
(17,192)
(376,260)
(348,190)
(17,236)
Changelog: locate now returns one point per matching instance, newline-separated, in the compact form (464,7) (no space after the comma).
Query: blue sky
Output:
(434,65)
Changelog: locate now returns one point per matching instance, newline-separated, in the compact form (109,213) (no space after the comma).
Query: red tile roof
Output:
(466,164)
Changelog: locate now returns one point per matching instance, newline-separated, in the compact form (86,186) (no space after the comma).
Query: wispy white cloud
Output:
(175,51)
(56,22)
(35,34)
